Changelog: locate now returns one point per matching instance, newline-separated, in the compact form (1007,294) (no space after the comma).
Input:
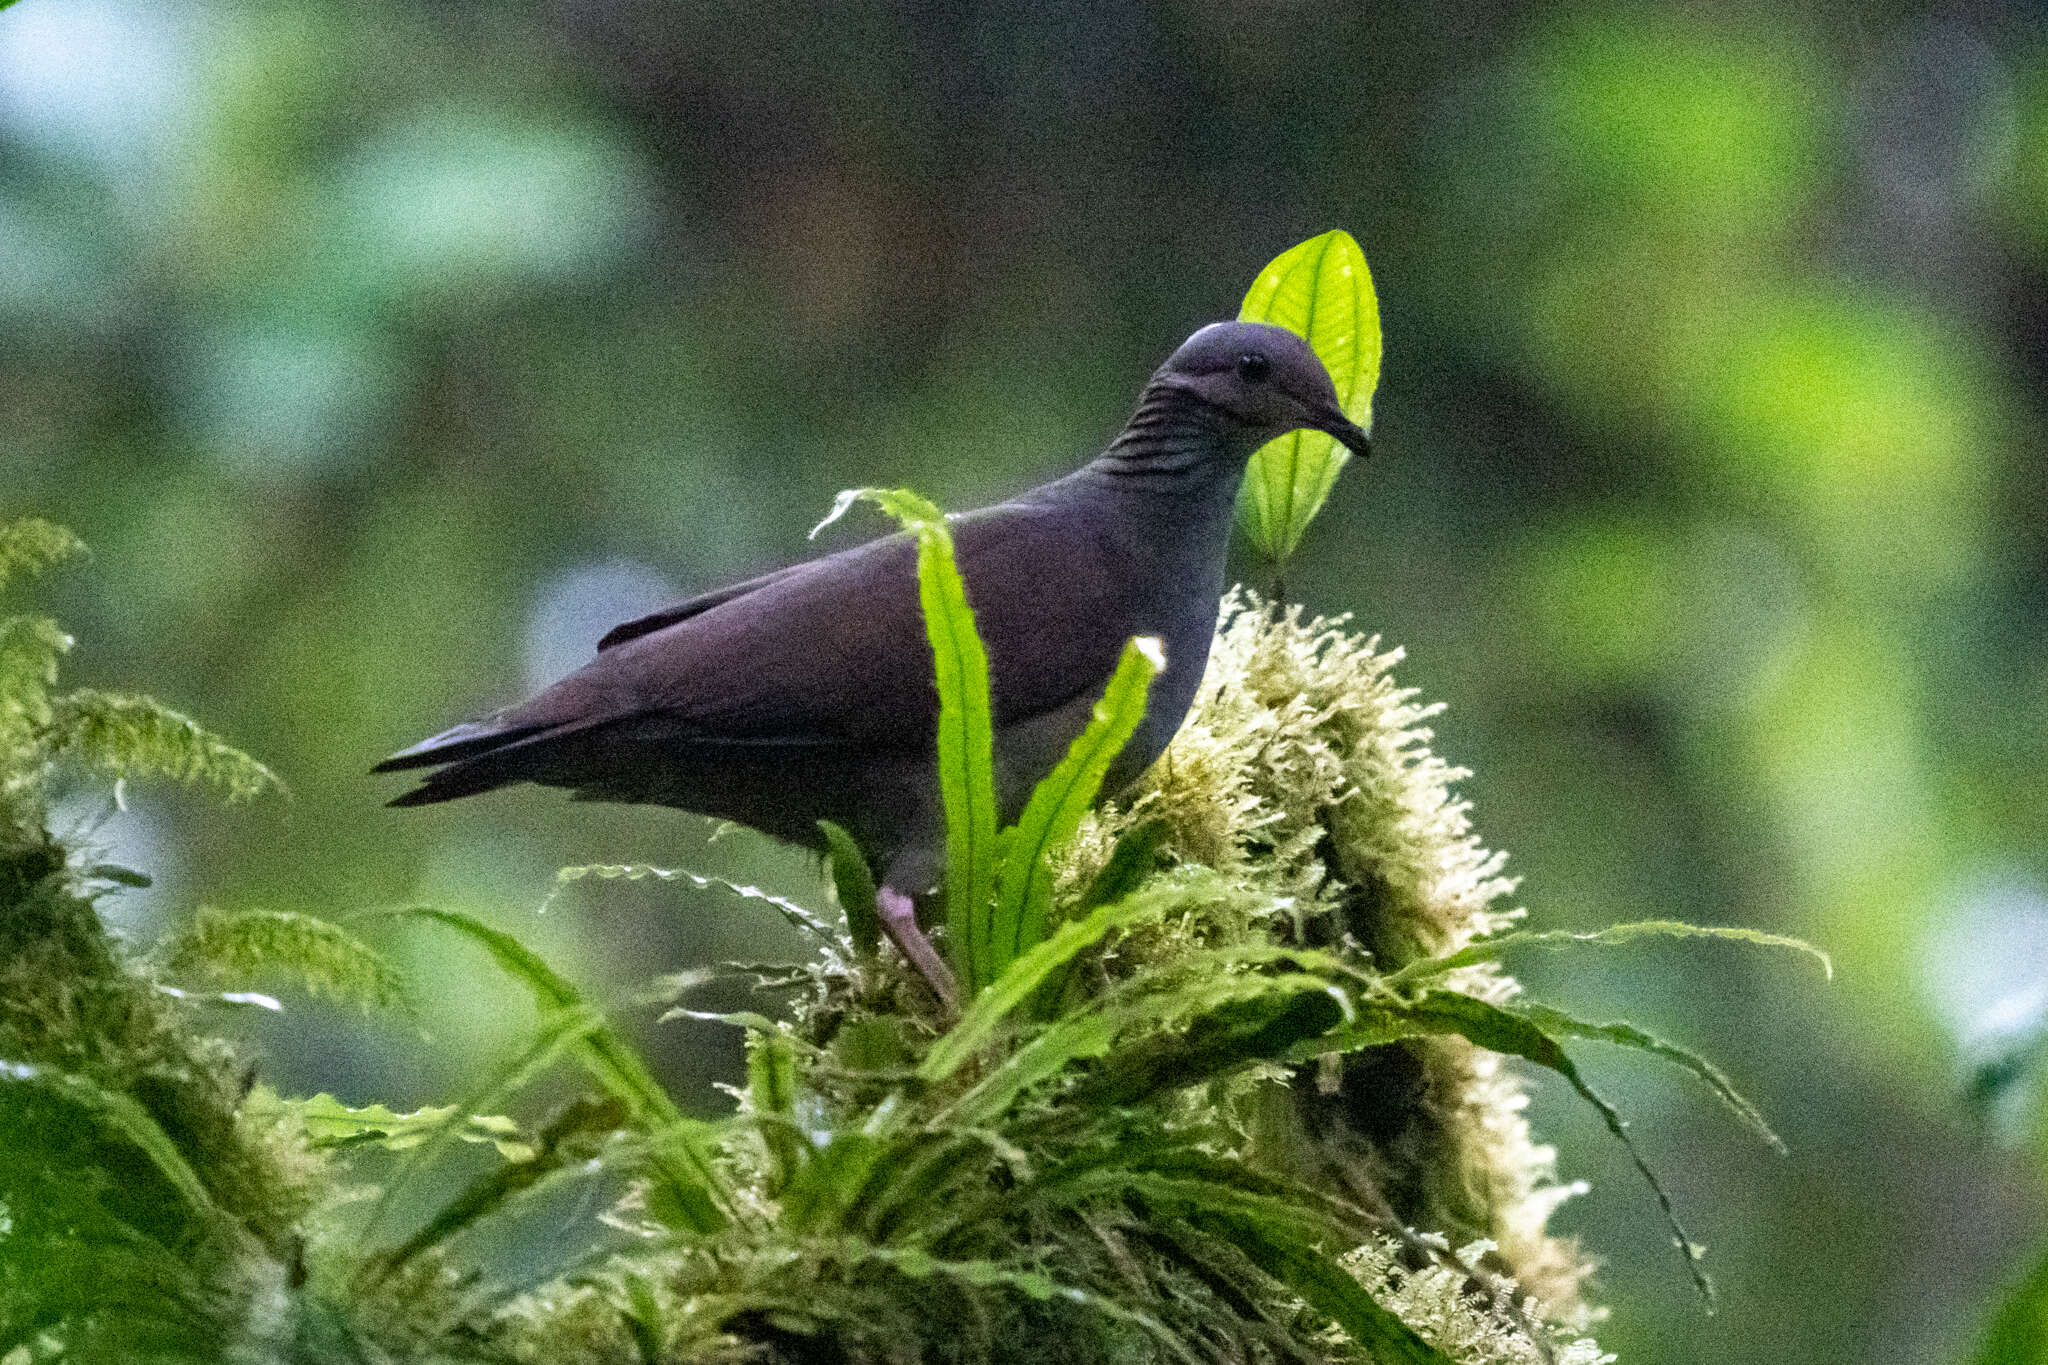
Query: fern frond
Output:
(28,545)
(319,955)
(130,736)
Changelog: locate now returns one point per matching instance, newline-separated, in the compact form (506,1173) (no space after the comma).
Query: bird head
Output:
(1262,379)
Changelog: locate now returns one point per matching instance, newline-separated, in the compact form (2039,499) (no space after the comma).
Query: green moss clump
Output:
(1304,775)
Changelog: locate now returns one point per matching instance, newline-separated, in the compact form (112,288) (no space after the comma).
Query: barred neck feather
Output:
(1174,444)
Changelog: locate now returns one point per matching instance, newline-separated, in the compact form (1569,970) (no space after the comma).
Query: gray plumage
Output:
(807,694)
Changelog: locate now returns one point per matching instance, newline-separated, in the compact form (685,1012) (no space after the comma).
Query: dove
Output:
(807,694)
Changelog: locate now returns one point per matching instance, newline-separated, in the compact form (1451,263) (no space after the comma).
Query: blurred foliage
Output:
(386,353)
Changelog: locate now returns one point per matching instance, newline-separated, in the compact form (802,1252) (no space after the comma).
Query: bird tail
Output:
(475,758)
(467,740)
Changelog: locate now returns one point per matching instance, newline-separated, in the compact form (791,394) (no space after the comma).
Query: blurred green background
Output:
(389,353)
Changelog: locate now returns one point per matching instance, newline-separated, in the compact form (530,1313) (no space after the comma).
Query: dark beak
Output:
(1345,430)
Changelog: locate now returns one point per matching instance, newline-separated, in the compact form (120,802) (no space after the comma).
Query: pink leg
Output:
(899,922)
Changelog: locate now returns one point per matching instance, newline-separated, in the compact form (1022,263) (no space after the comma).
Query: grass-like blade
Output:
(1325,1286)
(1249,1019)
(822,1191)
(561,1030)
(118,1115)
(1071,1038)
(1170,1177)
(1320,290)
(327,1122)
(854,881)
(685,1165)
(569,1140)
(636,872)
(1032,1284)
(771,1090)
(1130,862)
(966,736)
(1622,1034)
(1023,905)
(985,1015)
(320,955)
(1614,936)
(1501,1030)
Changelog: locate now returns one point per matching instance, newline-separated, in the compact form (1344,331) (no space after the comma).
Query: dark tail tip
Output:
(467,740)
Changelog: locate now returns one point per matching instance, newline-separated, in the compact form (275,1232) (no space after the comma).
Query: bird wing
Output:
(683,611)
(834,651)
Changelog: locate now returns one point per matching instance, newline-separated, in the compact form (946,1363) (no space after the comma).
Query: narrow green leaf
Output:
(854,881)
(1071,1038)
(322,957)
(562,1029)
(922,1265)
(685,1165)
(570,1139)
(921,1182)
(988,1010)
(635,872)
(1501,1030)
(1130,862)
(1169,1176)
(1320,290)
(1024,883)
(327,1122)
(772,1090)
(822,1190)
(1325,1286)
(966,735)
(1623,1034)
(120,876)
(1615,935)
(1257,1019)
(120,1115)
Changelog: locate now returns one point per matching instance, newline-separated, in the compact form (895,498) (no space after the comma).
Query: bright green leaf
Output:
(560,1149)
(561,1030)
(1499,1029)
(986,1013)
(966,735)
(1327,1287)
(1320,290)
(1024,883)
(854,881)
(772,1090)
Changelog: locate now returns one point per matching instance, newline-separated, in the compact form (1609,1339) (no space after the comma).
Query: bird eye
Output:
(1252,367)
